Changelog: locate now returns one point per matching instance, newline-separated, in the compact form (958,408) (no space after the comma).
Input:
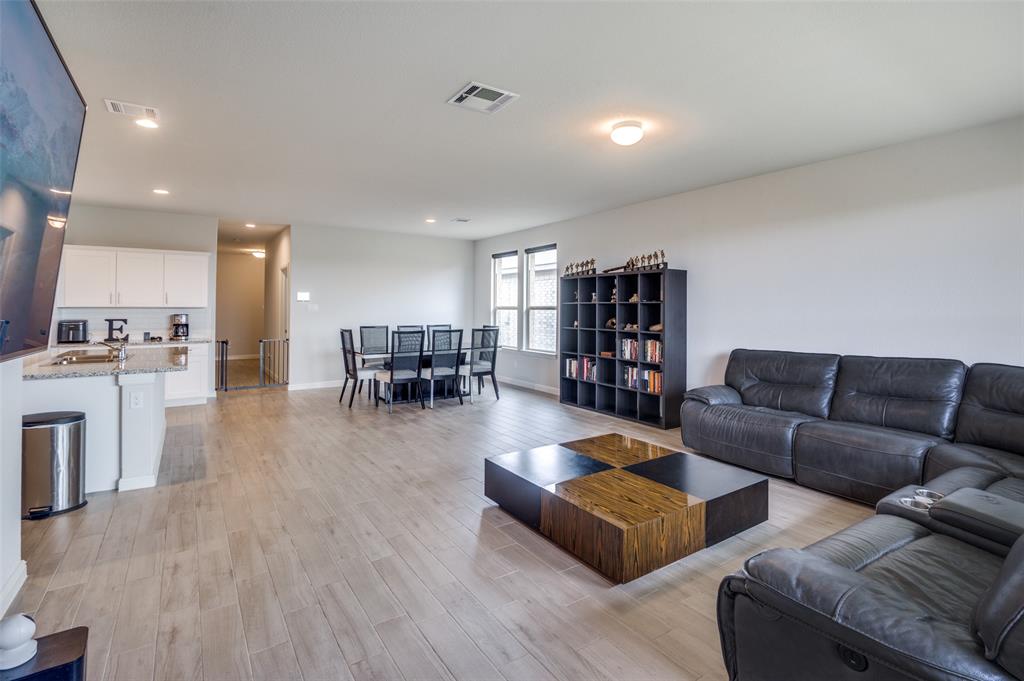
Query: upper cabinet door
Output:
(186,278)
(90,277)
(140,279)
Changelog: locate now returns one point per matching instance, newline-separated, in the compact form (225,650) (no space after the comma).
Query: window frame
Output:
(517,308)
(528,307)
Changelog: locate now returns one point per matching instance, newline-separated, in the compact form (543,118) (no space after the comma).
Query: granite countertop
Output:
(193,340)
(140,361)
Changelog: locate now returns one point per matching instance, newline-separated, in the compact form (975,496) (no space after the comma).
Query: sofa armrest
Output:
(981,513)
(713,395)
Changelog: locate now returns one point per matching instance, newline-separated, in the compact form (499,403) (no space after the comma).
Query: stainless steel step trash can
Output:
(52,463)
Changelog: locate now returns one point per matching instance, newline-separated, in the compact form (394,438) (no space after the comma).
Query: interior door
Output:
(140,279)
(186,280)
(89,277)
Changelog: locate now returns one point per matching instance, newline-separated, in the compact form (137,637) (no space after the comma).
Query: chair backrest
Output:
(430,332)
(992,411)
(407,351)
(348,353)
(445,348)
(373,339)
(483,347)
(410,327)
(790,381)
(908,393)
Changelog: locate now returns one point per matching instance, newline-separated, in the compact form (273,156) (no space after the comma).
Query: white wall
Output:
(276,309)
(914,249)
(12,567)
(240,298)
(359,277)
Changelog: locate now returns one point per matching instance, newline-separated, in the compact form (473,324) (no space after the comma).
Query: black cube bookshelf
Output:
(633,373)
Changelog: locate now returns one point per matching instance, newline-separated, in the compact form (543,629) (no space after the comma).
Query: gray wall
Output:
(914,249)
(357,277)
(240,292)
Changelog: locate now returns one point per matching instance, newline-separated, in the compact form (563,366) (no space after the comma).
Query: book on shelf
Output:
(588,369)
(653,351)
(630,349)
(571,368)
(651,381)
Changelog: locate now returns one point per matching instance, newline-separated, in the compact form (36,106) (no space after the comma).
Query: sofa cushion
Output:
(858,460)
(920,395)
(992,410)
(785,381)
(999,617)
(949,456)
(753,437)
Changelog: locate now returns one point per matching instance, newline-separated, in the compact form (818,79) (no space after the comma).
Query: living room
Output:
(804,220)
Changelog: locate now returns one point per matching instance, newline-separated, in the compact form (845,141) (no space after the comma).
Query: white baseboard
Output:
(12,585)
(314,386)
(138,482)
(231,357)
(538,387)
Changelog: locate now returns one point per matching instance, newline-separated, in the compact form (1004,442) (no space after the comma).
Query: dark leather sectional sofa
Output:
(858,427)
(932,586)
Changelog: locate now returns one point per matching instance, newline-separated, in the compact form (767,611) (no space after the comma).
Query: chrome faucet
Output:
(121,348)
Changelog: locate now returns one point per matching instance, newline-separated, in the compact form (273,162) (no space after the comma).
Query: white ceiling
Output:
(335,113)
(234,237)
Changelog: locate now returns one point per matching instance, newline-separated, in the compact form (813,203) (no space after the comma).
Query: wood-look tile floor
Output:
(293,538)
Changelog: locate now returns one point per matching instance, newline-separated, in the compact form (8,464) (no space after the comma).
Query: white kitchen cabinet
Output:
(90,278)
(140,279)
(186,278)
(190,386)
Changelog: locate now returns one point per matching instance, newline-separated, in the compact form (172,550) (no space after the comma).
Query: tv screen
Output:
(41,119)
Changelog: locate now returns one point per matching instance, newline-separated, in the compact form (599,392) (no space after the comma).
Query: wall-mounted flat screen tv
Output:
(41,118)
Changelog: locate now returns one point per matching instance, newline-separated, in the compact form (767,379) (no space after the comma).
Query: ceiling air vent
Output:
(460,219)
(132,110)
(482,98)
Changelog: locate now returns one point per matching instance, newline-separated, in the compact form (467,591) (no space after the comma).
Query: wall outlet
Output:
(135,400)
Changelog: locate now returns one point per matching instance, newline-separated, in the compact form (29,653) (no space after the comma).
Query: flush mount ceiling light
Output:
(56,222)
(62,192)
(250,225)
(430,221)
(147,123)
(259,254)
(627,133)
(162,192)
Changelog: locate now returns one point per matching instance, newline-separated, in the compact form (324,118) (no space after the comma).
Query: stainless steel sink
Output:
(85,357)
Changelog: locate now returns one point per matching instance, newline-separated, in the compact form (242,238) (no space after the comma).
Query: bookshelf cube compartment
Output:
(568,290)
(606,370)
(605,284)
(627,285)
(625,403)
(626,313)
(588,342)
(605,399)
(565,368)
(588,316)
(606,342)
(569,393)
(649,409)
(587,394)
(605,311)
(650,284)
(624,370)
(570,315)
(568,341)
(587,288)
(649,314)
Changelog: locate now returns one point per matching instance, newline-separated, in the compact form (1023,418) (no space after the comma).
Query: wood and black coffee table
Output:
(625,506)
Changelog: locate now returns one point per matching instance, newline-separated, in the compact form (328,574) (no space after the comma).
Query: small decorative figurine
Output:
(593,297)
(664,260)
(615,294)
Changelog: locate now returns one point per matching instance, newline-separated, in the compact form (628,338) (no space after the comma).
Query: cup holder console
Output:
(922,499)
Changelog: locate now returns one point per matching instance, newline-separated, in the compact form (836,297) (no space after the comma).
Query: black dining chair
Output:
(353,371)
(373,340)
(445,351)
(406,367)
(483,360)
(430,332)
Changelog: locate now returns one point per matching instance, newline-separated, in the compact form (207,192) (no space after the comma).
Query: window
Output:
(541,298)
(505,297)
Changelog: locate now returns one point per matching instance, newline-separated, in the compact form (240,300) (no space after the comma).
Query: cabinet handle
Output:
(118,297)
(165,297)
(111,297)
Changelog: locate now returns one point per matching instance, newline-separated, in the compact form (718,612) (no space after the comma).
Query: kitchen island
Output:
(123,404)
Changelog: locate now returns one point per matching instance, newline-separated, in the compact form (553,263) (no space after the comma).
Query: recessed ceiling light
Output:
(250,225)
(627,133)
(259,254)
(161,191)
(62,192)
(146,123)
(431,220)
(56,222)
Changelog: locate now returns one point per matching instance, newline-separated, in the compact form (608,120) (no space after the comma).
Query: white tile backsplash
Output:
(155,320)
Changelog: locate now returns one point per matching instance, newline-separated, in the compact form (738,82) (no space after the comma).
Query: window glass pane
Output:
(506,281)
(508,328)
(543,278)
(542,330)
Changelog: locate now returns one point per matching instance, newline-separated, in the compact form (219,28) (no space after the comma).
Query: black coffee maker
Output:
(179,327)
